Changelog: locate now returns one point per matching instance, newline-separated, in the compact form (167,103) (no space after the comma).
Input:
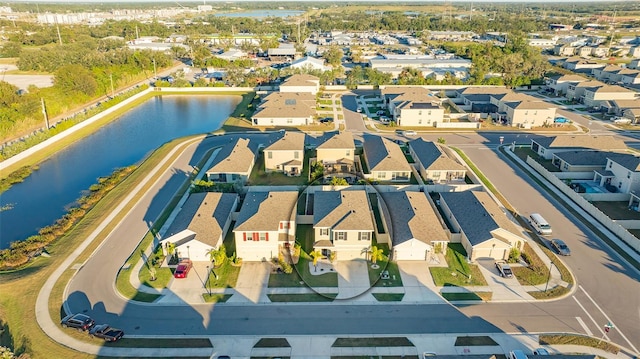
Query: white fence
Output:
(211,89)
(457,125)
(610,224)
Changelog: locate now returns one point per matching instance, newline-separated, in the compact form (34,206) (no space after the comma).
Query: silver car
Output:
(561,247)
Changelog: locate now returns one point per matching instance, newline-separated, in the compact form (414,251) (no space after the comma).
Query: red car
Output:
(183,269)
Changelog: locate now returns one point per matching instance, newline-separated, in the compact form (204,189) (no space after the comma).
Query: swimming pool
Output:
(591,188)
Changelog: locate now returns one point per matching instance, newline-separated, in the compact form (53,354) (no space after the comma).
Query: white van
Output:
(540,224)
(517,354)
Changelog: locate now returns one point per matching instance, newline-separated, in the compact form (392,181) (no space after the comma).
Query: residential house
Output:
(634,52)
(385,160)
(542,43)
(309,63)
(283,51)
(342,223)
(413,107)
(265,225)
(480,225)
(560,83)
(232,55)
(607,73)
(629,76)
(301,83)
(595,96)
(618,107)
(632,114)
(286,154)
(621,174)
(547,146)
(579,64)
(416,231)
(200,225)
(433,164)
(580,161)
(234,162)
(395,64)
(285,109)
(478,99)
(599,51)
(634,64)
(521,110)
(564,50)
(575,91)
(337,154)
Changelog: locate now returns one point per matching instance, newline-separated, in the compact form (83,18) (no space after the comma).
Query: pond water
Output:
(50,191)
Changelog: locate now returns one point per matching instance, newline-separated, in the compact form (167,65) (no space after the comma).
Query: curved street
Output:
(607,290)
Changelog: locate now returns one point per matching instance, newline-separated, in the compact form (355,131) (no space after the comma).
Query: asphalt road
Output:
(608,291)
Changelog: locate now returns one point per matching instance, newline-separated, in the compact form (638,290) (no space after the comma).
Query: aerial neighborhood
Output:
(320,180)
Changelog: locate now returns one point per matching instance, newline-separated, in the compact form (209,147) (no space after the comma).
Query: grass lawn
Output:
(471,341)
(216,298)
(388,297)
(272,343)
(578,340)
(617,210)
(373,199)
(395,280)
(372,342)
(259,177)
(458,271)
(308,297)
(227,276)
(486,296)
(159,343)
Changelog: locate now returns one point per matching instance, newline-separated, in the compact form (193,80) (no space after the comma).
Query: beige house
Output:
(580,64)
(618,107)
(560,83)
(595,96)
(607,73)
(342,223)
(521,110)
(285,109)
(478,223)
(629,76)
(575,91)
(266,223)
(385,160)
(201,225)
(234,162)
(301,83)
(417,232)
(632,114)
(433,164)
(286,154)
(337,154)
(413,106)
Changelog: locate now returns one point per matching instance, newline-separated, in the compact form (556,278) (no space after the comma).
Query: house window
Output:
(341,236)
(348,152)
(429,113)
(382,174)
(364,236)
(628,174)
(609,164)
(269,155)
(289,121)
(419,113)
(263,236)
(271,121)
(296,155)
(419,121)
(566,166)
(435,174)
(324,231)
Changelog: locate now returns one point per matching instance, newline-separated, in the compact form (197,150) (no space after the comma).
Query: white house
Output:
(309,63)
(342,223)
(301,83)
(285,109)
(622,172)
(201,224)
(266,223)
(416,230)
(547,146)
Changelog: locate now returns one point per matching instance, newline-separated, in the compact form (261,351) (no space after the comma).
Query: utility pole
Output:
(155,73)
(44,112)
(59,37)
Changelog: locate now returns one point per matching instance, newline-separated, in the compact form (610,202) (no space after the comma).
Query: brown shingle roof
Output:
(413,217)
(263,211)
(342,210)
(236,157)
(290,141)
(338,140)
(300,80)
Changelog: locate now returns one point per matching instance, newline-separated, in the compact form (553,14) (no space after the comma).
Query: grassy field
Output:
(308,297)
(481,296)
(578,340)
(388,297)
(458,271)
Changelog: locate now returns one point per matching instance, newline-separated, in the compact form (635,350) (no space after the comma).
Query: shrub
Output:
(514,255)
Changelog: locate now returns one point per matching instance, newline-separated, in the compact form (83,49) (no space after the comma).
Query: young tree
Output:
(333,55)
(339,181)
(376,254)
(315,255)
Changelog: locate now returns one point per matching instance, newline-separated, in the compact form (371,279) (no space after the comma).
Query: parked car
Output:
(384,119)
(326,119)
(560,247)
(410,133)
(541,351)
(78,321)
(380,113)
(504,269)
(359,109)
(104,331)
(183,268)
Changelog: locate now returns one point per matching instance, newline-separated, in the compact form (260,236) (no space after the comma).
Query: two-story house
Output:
(234,162)
(337,154)
(560,83)
(546,147)
(285,109)
(594,97)
(342,223)
(384,160)
(621,174)
(301,83)
(266,224)
(575,91)
(286,154)
(433,164)
(413,106)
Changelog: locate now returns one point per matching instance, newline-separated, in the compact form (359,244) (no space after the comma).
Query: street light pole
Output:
(188,253)
(548,277)
(207,282)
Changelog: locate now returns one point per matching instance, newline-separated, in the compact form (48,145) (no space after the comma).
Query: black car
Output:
(326,120)
(78,321)
(104,331)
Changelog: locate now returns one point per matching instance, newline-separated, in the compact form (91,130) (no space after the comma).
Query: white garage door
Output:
(410,254)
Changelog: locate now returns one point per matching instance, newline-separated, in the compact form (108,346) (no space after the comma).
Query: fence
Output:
(457,125)
(594,212)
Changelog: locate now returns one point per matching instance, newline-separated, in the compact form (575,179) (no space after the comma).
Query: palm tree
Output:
(171,249)
(376,254)
(316,255)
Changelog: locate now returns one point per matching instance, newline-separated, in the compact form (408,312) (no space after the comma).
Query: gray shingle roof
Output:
(289,141)
(627,161)
(608,143)
(413,217)
(432,157)
(338,140)
(384,155)
(205,214)
(342,210)
(477,214)
(584,158)
(235,157)
(263,211)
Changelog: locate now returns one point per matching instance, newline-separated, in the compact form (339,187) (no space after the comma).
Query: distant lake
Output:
(260,14)
(49,192)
